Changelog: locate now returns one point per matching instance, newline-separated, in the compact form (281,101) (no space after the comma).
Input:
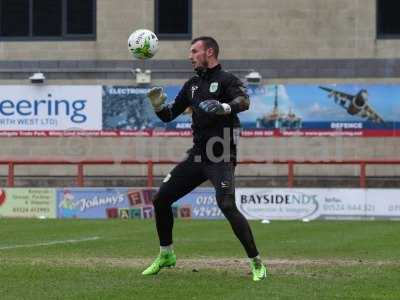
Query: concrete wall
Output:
(311,149)
(319,41)
(254,29)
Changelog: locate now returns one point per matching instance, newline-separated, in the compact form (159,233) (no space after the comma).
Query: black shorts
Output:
(188,175)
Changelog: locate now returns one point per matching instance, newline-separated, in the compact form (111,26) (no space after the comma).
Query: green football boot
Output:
(165,259)
(258,269)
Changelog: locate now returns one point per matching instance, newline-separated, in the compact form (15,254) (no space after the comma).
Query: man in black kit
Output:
(215,97)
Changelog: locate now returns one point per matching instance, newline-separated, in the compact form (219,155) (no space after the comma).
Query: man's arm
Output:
(167,112)
(240,103)
(236,91)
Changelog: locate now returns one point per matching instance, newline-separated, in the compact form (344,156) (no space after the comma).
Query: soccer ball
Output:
(143,44)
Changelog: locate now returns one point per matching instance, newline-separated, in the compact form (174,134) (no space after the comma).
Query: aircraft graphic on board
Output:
(355,104)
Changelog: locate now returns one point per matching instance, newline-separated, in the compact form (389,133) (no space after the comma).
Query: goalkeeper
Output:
(215,97)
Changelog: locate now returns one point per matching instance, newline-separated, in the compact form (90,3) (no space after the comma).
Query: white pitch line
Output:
(51,243)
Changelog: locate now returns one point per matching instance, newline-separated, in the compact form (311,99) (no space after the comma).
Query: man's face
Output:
(198,55)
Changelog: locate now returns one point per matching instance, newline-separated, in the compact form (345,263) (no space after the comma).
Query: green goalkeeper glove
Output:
(157,98)
(214,107)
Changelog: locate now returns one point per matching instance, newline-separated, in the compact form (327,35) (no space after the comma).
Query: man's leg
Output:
(222,177)
(183,178)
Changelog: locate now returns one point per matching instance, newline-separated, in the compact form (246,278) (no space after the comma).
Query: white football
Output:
(143,44)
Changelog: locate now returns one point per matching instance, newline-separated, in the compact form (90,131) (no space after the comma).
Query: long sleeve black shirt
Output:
(215,84)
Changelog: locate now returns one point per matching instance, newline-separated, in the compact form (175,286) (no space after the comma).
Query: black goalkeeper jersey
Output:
(215,84)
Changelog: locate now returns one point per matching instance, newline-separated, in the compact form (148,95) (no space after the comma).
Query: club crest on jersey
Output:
(213,87)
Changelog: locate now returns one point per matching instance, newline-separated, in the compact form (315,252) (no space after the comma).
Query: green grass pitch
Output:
(103,259)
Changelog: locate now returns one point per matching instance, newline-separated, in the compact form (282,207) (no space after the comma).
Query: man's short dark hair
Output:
(209,42)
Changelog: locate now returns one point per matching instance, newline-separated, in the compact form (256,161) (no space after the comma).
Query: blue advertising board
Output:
(131,203)
(277,110)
